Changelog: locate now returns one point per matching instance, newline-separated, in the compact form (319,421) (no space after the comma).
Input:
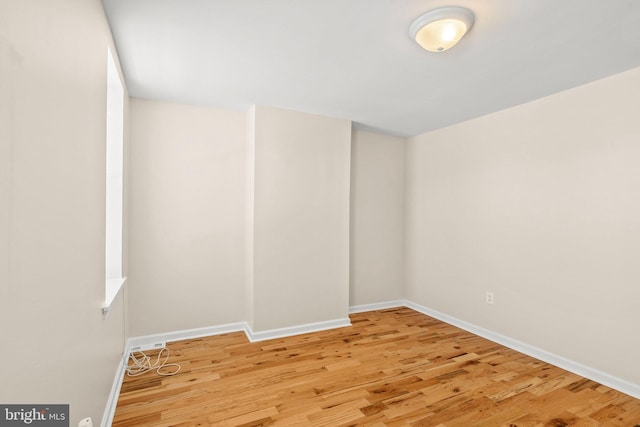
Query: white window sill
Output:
(112,289)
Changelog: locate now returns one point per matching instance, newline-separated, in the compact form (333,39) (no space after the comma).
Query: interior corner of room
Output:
(277,221)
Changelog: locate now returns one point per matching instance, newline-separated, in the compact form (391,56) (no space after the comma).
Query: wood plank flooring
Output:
(393,367)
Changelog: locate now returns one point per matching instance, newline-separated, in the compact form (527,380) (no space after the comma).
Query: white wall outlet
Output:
(85,423)
(489,297)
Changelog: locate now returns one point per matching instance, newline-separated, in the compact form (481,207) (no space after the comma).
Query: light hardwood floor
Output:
(393,367)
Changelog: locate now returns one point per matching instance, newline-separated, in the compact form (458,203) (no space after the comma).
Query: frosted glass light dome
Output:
(440,29)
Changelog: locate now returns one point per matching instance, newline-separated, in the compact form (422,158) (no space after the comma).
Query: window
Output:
(114,180)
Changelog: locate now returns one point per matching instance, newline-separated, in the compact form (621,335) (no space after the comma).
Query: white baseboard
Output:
(295,330)
(147,342)
(112,402)
(569,365)
(377,306)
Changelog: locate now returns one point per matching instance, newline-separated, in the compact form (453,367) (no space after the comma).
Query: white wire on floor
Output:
(142,364)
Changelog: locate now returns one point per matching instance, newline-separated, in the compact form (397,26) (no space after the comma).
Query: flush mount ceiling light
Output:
(440,29)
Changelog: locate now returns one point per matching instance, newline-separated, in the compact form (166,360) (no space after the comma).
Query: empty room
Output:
(323,213)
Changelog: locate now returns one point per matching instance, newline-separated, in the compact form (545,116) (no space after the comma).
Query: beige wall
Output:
(377,218)
(187,217)
(539,204)
(301,218)
(56,345)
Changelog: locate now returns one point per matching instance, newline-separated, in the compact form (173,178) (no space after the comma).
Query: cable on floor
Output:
(141,363)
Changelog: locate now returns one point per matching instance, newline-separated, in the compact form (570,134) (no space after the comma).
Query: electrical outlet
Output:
(489,297)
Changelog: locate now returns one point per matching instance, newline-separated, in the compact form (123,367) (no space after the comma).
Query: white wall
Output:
(539,204)
(377,218)
(301,218)
(187,217)
(56,345)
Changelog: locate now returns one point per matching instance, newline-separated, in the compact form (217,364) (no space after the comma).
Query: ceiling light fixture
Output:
(440,29)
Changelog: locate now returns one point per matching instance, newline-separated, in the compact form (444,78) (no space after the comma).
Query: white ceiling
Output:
(353,58)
